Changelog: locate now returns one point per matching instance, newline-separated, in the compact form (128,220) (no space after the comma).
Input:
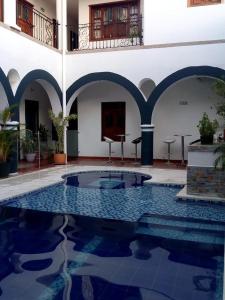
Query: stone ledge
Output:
(205,181)
(184,196)
(202,148)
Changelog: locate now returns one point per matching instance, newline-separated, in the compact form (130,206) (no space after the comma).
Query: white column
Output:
(64,50)
(10,13)
(59,20)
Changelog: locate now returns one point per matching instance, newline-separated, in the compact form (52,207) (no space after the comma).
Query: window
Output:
(25,16)
(114,20)
(1,10)
(202,2)
(113,119)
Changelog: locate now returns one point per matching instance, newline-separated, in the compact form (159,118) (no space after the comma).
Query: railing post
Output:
(10,13)
(55,34)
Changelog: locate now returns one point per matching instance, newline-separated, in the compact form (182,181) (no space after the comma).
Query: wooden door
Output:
(1,10)
(113,119)
(32,115)
(25,16)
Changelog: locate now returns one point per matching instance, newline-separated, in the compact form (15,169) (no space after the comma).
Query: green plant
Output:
(220,161)
(43,133)
(7,137)
(6,143)
(7,113)
(59,123)
(207,127)
(28,142)
(220,90)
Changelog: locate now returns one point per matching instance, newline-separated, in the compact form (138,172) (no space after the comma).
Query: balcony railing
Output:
(36,24)
(103,35)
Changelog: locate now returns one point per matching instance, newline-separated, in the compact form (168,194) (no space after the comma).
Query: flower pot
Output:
(207,140)
(30,157)
(4,169)
(60,158)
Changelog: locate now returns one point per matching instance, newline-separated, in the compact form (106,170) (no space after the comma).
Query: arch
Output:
(205,71)
(7,88)
(47,81)
(13,78)
(147,85)
(81,83)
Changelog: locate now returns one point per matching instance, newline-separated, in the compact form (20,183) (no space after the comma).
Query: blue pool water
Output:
(83,198)
(46,256)
(107,236)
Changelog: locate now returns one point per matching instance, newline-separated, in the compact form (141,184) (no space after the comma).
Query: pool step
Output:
(182,229)
(183,223)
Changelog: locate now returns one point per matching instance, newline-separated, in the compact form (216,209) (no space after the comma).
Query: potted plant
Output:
(29,145)
(5,149)
(43,133)
(220,107)
(207,129)
(7,141)
(220,161)
(60,123)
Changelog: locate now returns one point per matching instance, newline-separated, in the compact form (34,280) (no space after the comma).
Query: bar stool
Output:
(109,142)
(169,142)
(182,136)
(122,140)
(136,142)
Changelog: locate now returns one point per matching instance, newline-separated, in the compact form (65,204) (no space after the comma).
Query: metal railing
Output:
(36,24)
(102,35)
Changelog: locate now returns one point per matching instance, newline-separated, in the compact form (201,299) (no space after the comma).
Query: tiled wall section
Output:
(208,181)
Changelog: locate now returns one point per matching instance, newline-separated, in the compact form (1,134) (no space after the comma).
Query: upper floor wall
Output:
(164,21)
(24,55)
(175,21)
(98,24)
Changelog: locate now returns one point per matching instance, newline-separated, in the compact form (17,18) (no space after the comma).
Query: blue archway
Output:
(206,71)
(7,88)
(115,78)
(36,75)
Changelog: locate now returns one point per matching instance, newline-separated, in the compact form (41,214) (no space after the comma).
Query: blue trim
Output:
(35,75)
(115,78)
(7,87)
(179,75)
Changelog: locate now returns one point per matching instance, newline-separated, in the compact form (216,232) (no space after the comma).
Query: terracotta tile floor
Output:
(25,167)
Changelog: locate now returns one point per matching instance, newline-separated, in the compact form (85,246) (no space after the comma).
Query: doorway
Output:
(113,119)
(32,115)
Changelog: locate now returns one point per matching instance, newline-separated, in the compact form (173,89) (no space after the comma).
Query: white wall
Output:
(48,6)
(179,110)
(3,98)
(136,64)
(172,22)
(35,92)
(23,54)
(89,120)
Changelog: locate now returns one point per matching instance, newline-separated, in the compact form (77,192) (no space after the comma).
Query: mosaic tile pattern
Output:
(127,204)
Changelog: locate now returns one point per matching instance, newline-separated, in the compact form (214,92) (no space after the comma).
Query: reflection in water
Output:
(48,256)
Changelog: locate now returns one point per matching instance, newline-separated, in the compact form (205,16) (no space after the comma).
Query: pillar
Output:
(147,131)
(10,13)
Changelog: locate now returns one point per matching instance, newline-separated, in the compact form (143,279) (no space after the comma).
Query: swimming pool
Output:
(115,195)
(108,235)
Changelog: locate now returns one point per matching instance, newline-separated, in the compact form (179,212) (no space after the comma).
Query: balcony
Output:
(36,24)
(103,35)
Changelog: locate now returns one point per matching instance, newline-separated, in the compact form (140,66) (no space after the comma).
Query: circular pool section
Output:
(106,180)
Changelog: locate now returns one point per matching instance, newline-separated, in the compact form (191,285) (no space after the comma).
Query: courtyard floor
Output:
(23,183)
